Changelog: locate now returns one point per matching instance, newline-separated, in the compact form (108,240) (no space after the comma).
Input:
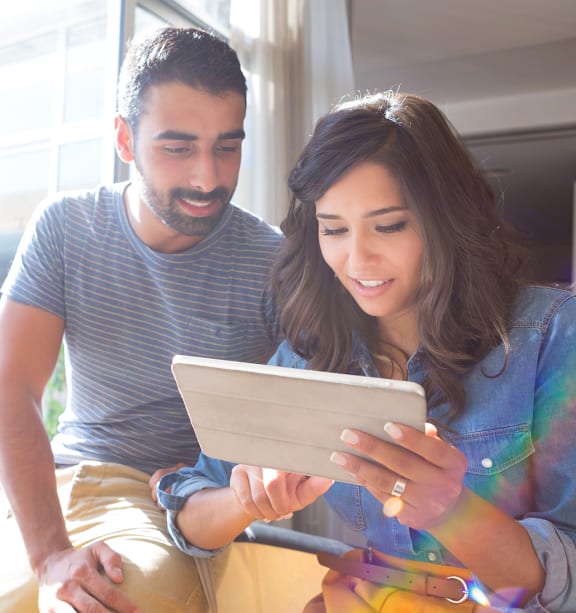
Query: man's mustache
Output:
(219,193)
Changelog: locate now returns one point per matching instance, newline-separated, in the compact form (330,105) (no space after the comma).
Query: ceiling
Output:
(509,59)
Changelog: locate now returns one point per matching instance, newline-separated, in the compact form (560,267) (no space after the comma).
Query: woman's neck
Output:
(399,339)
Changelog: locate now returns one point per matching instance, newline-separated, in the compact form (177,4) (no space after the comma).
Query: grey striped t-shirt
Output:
(128,310)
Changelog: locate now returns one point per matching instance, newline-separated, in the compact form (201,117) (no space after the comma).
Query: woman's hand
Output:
(269,494)
(419,480)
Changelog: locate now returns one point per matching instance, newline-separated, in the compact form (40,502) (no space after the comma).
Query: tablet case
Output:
(289,419)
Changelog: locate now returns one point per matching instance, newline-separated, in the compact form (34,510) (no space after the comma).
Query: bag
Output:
(362,581)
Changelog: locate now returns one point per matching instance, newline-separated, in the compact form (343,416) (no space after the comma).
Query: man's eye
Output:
(177,150)
(397,227)
(227,148)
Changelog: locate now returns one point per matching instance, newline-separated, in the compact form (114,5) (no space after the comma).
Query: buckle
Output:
(465,591)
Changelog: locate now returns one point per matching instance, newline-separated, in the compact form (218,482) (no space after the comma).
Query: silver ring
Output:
(399,488)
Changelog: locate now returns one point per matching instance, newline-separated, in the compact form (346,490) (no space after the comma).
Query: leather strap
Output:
(452,588)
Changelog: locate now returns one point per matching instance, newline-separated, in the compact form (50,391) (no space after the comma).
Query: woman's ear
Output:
(124,139)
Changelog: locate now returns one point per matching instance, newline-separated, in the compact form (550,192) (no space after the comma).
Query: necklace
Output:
(388,365)
(383,358)
(391,366)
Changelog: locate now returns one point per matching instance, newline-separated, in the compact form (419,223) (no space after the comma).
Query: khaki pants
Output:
(112,503)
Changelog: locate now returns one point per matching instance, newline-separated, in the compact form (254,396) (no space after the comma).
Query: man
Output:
(128,275)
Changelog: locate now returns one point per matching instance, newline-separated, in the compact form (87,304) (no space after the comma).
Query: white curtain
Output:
(297,58)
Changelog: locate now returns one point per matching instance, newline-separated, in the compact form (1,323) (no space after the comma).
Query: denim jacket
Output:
(517,432)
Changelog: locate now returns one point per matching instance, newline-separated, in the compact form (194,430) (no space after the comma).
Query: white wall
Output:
(520,112)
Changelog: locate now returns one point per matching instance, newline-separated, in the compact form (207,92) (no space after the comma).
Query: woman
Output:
(397,263)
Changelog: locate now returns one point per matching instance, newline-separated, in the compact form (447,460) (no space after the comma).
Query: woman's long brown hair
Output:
(472,258)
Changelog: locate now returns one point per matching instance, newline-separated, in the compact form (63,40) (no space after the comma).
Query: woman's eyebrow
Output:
(382,211)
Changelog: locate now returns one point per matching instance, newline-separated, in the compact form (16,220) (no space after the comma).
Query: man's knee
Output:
(158,577)
(18,586)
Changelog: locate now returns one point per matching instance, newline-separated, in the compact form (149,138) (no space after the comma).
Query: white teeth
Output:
(371,283)
(201,203)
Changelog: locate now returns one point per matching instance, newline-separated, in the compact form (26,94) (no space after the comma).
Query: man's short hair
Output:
(190,56)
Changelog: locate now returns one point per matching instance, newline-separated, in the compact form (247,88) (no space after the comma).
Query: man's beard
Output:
(169,211)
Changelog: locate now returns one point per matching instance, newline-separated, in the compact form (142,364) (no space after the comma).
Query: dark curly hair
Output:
(472,259)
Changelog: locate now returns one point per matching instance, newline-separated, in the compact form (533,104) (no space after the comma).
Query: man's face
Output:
(186,150)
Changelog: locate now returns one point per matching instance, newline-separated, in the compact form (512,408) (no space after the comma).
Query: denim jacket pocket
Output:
(346,500)
(498,466)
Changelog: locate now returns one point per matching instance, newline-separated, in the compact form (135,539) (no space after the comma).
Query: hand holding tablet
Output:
(285,418)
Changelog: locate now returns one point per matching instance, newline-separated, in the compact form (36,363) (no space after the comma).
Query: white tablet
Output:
(285,418)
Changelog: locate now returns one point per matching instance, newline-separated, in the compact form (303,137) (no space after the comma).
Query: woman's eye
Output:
(397,227)
(332,232)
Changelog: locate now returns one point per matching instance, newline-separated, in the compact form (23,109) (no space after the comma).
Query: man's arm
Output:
(29,347)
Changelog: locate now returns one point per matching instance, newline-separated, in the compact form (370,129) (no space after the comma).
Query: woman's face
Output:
(372,242)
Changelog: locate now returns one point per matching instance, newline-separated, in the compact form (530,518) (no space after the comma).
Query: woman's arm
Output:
(212,518)
(482,537)
(217,502)
(491,544)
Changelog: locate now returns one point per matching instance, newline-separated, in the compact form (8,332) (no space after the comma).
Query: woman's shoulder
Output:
(285,355)
(537,305)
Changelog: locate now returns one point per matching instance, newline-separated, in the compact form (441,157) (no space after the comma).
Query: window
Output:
(52,86)
(56,86)
(57,76)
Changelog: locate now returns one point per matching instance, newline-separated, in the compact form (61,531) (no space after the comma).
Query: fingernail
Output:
(338,458)
(349,437)
(392,430)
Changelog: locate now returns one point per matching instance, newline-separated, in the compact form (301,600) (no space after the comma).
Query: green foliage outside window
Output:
(55,396)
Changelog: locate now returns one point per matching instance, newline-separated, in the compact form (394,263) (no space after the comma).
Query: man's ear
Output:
(124,139)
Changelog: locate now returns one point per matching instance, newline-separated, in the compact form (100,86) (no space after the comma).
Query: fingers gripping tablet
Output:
(288,419)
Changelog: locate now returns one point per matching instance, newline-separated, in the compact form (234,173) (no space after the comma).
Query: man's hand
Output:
(80,580)
(157,476)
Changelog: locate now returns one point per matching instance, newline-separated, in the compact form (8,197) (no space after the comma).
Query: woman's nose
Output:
(361,253)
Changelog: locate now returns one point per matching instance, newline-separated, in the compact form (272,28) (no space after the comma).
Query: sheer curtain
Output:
(296,55)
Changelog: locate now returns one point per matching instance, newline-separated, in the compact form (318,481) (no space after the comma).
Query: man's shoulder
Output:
(82,200)
(102,195)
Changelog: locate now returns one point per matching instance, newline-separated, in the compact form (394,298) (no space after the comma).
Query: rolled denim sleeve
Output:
(545,496)
(557,554)
(175,488)
(552,525)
